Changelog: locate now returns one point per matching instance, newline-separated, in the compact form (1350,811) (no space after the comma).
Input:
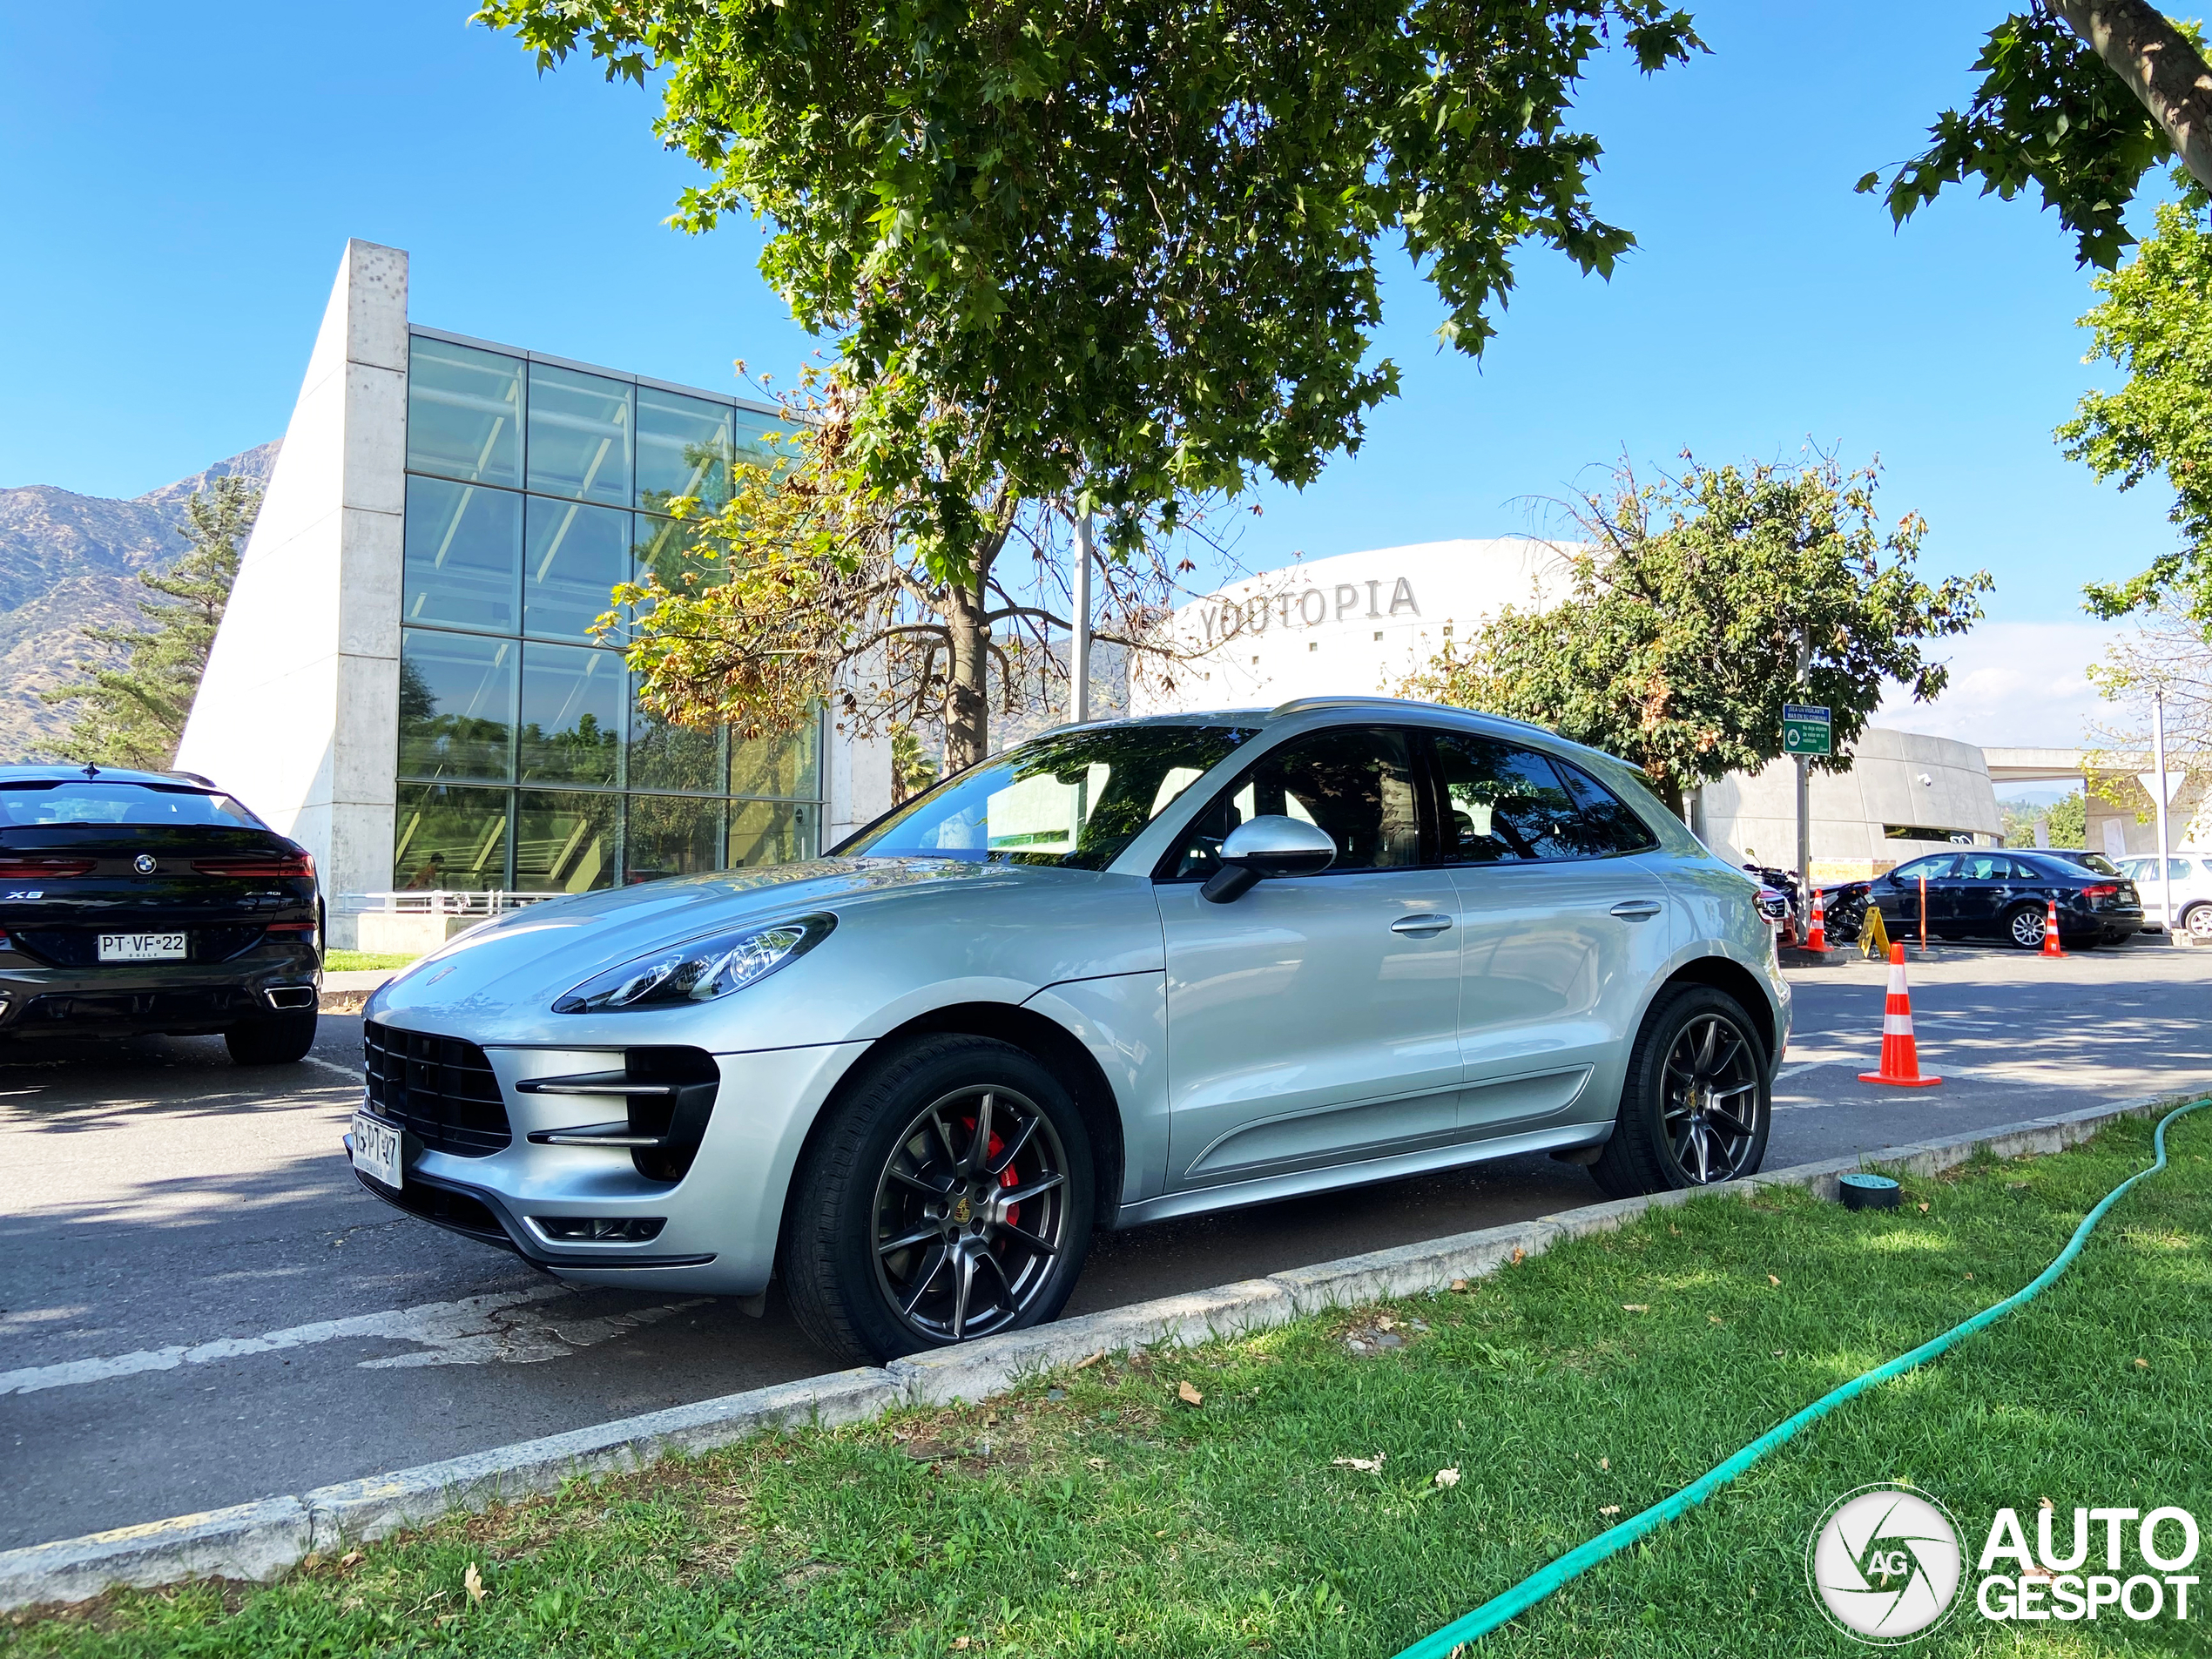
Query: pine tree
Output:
(133,714)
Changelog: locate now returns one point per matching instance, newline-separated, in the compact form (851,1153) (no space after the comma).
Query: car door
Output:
(1564,926)
(1897,895)
(1317,1018)
(1985,887)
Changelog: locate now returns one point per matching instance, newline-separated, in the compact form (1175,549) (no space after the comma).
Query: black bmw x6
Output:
(149,901)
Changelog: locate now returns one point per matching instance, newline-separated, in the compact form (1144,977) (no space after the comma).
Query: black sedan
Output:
(145,901)
(1989,893)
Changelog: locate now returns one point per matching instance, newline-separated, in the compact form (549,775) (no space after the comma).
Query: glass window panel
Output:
(572,557)
(663,548)
(571,714)
(464,412)
(685,446)
(672,757)
(1609,823)
(784,766)
(1355,782)
(579,427)
(449,838)
(669,835)
(456,706)
(1504,803)
(464,555)
(563,842)
(764,831)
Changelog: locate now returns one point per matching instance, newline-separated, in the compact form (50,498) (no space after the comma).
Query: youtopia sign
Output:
(1222,618)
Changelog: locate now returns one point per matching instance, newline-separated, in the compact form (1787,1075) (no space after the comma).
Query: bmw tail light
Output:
(21,868)
(281,866)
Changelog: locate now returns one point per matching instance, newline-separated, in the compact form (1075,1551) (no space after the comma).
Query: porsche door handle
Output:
(1421,927)
(1638,909)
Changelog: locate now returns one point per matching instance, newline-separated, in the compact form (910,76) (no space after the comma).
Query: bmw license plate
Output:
(142,948)
(376,1149)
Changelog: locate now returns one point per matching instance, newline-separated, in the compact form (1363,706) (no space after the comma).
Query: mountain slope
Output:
(70,562)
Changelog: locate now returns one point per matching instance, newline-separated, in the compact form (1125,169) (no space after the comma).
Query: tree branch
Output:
(2159,67)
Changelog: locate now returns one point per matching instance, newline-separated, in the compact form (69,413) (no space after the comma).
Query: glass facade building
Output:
(526,762)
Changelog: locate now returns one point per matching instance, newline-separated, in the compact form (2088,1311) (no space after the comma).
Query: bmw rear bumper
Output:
(178,999)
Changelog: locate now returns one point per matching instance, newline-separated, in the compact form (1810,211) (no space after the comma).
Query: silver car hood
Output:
(940,918)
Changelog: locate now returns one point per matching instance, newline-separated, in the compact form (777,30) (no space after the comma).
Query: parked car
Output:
(2192,882)
(1991,893)
(1123,972)
(151,901)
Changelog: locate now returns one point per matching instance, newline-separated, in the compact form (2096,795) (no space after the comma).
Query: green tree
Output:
(1120,256)
(1686,603)
(2082,98)
(2068,818)
(2156,323)
(133,713)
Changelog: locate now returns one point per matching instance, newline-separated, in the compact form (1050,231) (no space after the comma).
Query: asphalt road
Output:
(199,1307)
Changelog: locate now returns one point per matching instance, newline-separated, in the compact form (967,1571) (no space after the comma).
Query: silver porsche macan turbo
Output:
(1125,971)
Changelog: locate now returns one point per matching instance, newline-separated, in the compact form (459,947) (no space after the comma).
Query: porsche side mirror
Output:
(1268,847)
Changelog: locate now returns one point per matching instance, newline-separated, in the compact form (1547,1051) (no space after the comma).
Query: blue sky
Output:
(180,189)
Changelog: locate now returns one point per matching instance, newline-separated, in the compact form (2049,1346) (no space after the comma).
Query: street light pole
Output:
(1079,648)
(1804,797)
(2158,763)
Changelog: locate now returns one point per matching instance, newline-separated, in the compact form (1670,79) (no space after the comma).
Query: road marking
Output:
(514,1327)
(352,1074)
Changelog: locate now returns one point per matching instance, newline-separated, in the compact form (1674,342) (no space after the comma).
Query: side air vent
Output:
(667,1094)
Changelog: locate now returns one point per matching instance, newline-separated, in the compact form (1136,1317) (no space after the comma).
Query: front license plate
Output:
(142,948)
(376,1149)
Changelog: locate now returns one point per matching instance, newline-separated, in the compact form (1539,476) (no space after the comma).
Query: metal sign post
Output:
(2164,787)
(1079,647)
(1806,731)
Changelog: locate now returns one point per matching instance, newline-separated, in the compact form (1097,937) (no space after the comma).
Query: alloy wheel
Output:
(1713,1102)
(2026,927)
(2198,920)
(971,1213)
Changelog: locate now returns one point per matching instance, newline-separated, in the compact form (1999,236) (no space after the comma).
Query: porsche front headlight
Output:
(699,970)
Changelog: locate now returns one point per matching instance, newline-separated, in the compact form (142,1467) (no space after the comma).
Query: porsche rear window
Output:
(92,802)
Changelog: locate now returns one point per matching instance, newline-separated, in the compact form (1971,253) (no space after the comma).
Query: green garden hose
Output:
(1538,1585)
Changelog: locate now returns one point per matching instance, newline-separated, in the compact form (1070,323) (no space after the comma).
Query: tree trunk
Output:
(968,708)
(2159,66)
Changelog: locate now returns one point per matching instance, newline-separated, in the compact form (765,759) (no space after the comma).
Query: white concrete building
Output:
(1362,623)
(406,680)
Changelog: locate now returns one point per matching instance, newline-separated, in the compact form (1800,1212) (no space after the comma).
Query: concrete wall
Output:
(298,712)
(1896,778)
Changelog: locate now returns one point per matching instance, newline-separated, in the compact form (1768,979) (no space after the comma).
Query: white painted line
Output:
(502,1327)
(352,1074)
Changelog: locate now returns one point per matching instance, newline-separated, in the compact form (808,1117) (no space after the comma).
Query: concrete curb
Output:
(259,1542)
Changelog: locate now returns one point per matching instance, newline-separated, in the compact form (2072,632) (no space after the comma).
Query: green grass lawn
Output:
(350,962)
(1098,1514)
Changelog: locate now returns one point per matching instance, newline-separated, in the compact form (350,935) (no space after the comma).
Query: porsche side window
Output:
(1504,803)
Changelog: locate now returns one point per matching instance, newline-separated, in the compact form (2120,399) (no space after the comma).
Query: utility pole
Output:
(1079,648)
(1805,791)
(2158,764)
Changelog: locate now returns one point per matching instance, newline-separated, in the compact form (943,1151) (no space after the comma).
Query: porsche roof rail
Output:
(1302,705)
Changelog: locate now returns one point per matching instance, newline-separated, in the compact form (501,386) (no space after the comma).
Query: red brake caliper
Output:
(1007,1177)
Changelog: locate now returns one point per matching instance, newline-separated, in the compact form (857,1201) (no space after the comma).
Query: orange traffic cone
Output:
(2051,947)
(1900,1055)
(1818,939)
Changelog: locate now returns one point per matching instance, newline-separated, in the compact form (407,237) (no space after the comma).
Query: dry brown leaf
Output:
(1712,1319)
(2046,1504)
(1610,1509)
(1635,1307)
(1970,1276)
(1188,1395)
(1095,1462)
(1605,1463)
(960,1644)
(1519,1254)
(1923,1210)
(2140,1365)
(473,1584)
(351,1558)
(1365,1465)
(1087,1363)
(1447,1478)
(1459,1284)
(1674,1230)
(1773,1280)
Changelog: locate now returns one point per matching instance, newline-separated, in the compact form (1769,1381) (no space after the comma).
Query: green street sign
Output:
(1805,730)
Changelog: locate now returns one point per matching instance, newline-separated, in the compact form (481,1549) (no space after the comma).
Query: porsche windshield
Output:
(1075,800)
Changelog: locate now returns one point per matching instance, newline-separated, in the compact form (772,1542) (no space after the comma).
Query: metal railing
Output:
(438,901)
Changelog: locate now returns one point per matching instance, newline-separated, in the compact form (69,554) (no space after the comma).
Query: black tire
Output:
(277,1040)
(898,1160)
(1666,1136)
(2023,927)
